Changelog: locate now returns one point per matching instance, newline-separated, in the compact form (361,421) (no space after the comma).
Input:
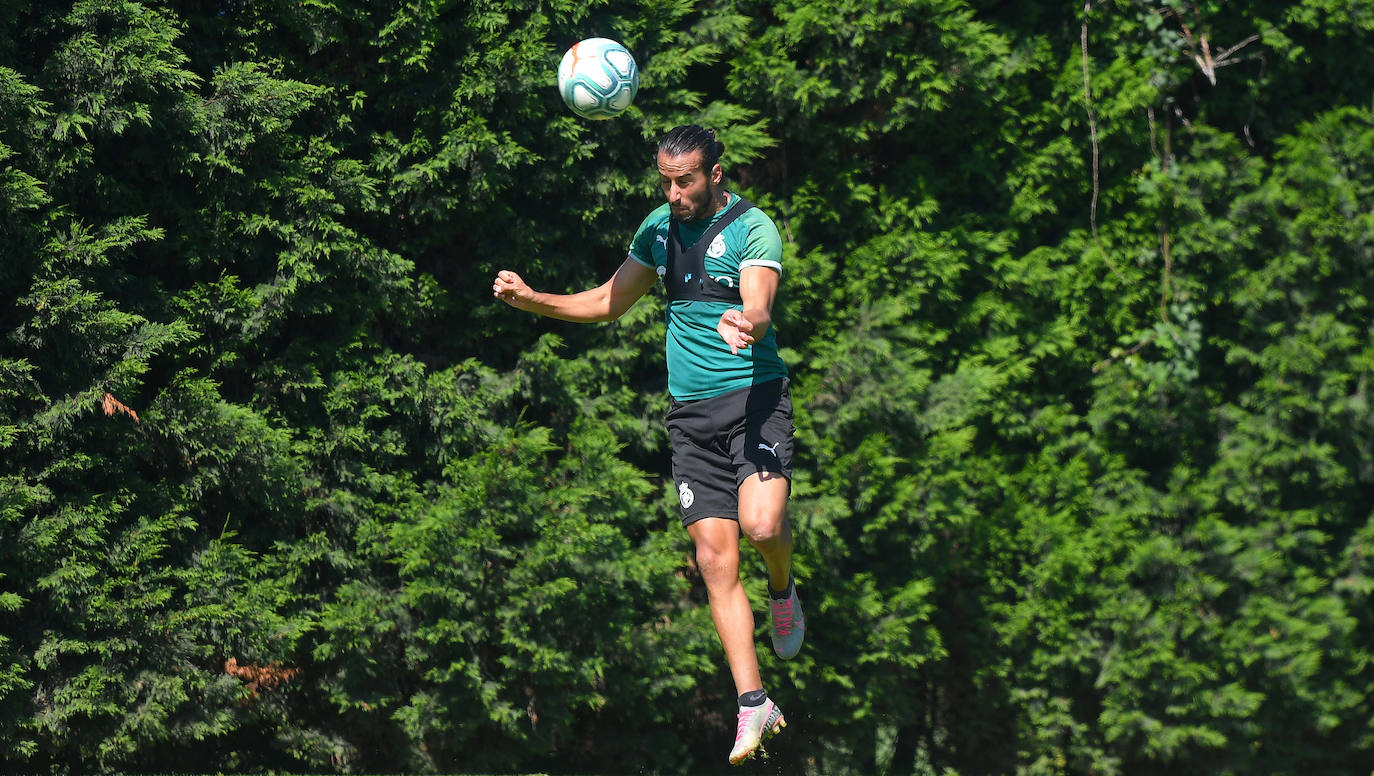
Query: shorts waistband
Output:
(779,384)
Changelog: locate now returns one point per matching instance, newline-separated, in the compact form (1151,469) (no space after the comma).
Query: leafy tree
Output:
(1078,315)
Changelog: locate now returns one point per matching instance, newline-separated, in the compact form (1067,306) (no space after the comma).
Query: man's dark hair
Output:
(685,139)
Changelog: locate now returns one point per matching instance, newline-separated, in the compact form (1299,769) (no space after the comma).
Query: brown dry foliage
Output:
(113,405)
(257,677)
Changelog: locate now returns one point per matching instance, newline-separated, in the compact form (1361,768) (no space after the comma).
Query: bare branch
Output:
(1225,55)
(1092,131)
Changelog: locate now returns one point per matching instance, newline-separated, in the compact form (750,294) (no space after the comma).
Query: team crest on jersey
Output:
(717,247)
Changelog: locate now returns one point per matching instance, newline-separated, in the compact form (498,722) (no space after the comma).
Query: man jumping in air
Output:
(731,419)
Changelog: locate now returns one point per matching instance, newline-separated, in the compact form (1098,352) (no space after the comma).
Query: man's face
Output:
(690,190)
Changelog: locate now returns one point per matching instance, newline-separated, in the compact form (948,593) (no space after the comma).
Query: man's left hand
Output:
(735,328)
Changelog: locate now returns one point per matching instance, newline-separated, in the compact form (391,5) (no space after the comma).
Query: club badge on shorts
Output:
(685,494)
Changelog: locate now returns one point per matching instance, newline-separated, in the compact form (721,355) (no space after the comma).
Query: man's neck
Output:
(719,202)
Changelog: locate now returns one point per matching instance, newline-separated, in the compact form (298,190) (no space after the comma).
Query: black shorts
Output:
(720,442)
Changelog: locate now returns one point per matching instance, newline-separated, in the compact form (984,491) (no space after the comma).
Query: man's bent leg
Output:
(763,519)
(717,543)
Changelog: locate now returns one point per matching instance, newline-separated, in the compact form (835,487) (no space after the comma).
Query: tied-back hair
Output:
(688,138)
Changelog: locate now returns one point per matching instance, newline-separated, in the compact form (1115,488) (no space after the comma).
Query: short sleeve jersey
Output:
(700,364)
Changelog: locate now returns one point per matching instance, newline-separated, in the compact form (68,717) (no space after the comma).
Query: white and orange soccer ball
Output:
(598,78)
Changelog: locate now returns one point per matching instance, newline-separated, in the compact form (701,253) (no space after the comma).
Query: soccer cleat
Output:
(754,724)
(789,626)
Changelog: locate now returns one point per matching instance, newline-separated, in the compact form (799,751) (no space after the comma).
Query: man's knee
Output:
(763,509)
(716,560)
(763,528)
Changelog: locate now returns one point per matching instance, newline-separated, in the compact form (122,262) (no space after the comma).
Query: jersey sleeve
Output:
(642,244)
(763,246)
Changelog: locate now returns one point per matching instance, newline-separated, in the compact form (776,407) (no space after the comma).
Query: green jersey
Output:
(700,364)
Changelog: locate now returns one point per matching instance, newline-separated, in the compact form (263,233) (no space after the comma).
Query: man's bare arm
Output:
(606,302)
(758,286)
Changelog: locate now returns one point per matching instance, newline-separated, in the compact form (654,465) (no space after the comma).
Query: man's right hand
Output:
(509,288)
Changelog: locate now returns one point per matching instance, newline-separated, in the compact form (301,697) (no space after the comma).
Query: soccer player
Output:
(730,424)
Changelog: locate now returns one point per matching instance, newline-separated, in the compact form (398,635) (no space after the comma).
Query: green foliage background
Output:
(1078,308)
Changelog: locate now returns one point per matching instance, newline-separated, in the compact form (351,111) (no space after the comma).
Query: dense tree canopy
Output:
(1077,303)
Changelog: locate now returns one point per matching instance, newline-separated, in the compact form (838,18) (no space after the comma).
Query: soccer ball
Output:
(598,78)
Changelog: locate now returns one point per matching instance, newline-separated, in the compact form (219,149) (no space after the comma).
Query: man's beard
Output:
(699,210)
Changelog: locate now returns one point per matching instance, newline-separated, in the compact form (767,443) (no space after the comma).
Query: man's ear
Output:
(717,174)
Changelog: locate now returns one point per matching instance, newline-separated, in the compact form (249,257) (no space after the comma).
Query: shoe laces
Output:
(782,616)
(742,721)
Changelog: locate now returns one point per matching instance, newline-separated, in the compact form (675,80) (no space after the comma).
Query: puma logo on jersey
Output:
(658,238)
(773,450)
